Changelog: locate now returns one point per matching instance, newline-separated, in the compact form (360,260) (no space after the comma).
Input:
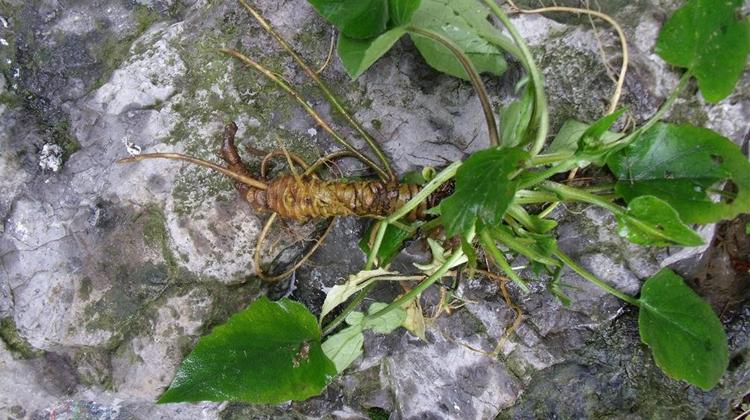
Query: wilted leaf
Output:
(341,292)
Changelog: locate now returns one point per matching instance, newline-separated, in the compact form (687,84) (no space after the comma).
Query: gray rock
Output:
(109,273)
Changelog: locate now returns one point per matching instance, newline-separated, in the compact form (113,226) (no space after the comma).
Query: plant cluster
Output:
(667,179)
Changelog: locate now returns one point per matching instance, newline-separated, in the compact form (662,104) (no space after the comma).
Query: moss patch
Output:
(16,344)
(112,51)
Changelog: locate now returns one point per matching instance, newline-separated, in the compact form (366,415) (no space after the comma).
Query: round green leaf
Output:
(268,353)
(709,39)
(680,164)
(686,337)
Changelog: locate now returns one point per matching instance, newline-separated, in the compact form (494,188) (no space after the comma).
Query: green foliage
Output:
(515,118)
(344,347)
(401,11)
(569,137)
(393,241)
(680,164)
(357,55)
(652,221)
(465,23)
(491,169)
(708,38)
(685,335)
(268,353)
(358,19)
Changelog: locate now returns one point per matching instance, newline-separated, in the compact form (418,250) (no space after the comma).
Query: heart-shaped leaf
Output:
(268,353)
(680,164)
(708,38)
(686,337)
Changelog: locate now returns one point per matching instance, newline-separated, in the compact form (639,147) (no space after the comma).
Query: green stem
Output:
(476,81)
(353,304)
(284,85)
(323,87)
(660,113)
(541,113)
(570,193)
(537,177)
(574,194)
(550,158)
(506,44)
(421,287)
(439,179)
(533,197)
(595,280)
(489,245)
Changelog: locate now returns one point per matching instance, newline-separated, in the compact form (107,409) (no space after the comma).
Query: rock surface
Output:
(109,273)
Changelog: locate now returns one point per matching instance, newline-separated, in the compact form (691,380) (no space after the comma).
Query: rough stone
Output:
(109,273)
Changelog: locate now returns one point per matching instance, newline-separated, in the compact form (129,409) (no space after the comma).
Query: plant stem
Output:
(533,197)
(595,280)
(660,113)
(537,177)
(439,179)
(541,113)
(421,287)
(283,84)
(476,81)
(353,304)
(489,245)
(574,194)
(326,91)
(550,158)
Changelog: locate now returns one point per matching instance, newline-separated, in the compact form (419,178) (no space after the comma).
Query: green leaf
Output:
(465,22)
(747,228)
(679,164)
(708,38)
(357,55)
(652,221)
(401,11)
(386,323)
(340,293)
(483,189)
(393,241)
(358,19)
(344,347)
(269,353)
(686,337)
(515,118)
(571,133)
